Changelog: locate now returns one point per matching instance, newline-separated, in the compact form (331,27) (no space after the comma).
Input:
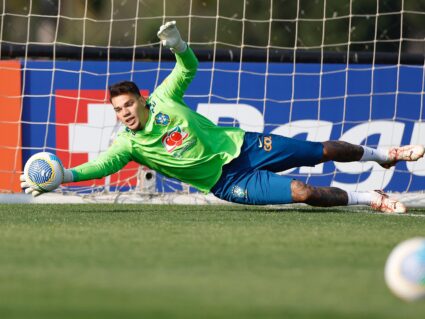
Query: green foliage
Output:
(331,25)
(142,261)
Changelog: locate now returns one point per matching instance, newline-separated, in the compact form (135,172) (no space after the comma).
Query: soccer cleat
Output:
(383,203)
(403,153)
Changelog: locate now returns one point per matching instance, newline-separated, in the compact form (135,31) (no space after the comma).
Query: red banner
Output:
(84,123)
(10,127)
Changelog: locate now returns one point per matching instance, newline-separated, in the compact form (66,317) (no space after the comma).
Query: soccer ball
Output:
(405,269)
(44,172)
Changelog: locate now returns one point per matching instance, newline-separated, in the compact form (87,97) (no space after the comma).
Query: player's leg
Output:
(255,187)
(249,179)
(333,196)
(340,151)
(318,196)
(262,187)
(278,153)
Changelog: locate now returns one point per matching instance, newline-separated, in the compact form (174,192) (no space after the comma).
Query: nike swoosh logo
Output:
(260,143)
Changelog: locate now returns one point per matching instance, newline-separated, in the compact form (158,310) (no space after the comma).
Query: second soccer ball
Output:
(405,269)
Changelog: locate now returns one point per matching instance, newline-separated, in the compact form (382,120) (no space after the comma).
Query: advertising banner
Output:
(10,127)
(66,110)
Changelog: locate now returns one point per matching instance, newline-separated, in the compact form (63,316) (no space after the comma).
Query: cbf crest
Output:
(162,119)
(239,192)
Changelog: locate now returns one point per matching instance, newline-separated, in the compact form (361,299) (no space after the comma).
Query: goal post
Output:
(340,70)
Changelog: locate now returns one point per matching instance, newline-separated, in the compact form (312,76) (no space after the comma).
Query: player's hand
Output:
(170,37)
(27,188)
(67,178)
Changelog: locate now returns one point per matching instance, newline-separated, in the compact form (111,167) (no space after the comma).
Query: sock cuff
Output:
(371,154)
(359,198)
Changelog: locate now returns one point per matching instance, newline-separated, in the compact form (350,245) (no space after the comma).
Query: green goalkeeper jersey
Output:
(176,141)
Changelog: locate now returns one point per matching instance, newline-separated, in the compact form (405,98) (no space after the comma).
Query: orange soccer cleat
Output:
(403,153)
(383,203)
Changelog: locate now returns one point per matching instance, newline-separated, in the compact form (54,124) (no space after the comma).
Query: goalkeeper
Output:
(163,133)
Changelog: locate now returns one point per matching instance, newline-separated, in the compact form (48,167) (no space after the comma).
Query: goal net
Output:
(317,70)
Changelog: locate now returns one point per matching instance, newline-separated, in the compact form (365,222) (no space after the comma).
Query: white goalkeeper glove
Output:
(67,178)
(27,188)
(170,37)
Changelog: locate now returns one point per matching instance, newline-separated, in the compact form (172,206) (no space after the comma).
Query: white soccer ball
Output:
(44,171)
(405,269)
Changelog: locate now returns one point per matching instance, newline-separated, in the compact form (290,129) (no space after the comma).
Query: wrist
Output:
(68,175)
(180,47)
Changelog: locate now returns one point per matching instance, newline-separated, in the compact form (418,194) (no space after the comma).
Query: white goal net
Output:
(318,70)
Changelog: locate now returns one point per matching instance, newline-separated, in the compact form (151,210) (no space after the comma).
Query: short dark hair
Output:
(123,87)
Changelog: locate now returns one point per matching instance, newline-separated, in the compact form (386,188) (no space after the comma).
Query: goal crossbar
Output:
(70,52)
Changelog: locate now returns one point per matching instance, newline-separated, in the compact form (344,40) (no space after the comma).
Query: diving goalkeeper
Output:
(164,134)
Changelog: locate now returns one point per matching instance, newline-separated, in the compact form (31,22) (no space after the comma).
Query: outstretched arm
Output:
(176,83)
(109,162)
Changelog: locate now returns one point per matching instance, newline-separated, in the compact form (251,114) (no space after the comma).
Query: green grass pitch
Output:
(163,261)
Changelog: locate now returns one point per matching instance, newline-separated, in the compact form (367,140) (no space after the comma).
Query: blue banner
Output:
(66,109)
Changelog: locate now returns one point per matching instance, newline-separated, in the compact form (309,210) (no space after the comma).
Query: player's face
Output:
(131,110)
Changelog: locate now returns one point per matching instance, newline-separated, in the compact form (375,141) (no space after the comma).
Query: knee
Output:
(301,192)
(327,151)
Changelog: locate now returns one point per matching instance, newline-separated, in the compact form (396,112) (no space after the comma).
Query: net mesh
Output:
(347,70)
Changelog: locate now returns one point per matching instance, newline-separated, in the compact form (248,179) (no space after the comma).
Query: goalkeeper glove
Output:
(170,37)
(67,178)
